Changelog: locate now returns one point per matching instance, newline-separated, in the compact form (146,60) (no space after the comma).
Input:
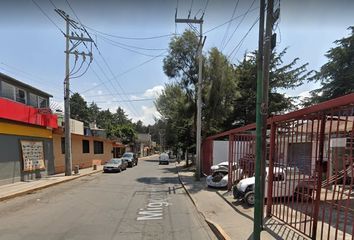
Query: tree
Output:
(282,76)
(93,112)
(220,91)
(79,109)
(120,117)
(177,116)
(125,133)
(337,75)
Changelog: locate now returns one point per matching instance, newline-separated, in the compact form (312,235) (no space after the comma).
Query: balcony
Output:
(19,112)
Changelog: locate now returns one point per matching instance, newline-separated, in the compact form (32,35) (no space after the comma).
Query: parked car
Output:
(164,158)
(115,165)
(289,179)
(131,158)
(219,174)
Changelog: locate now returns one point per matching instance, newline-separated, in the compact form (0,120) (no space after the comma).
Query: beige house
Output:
(86,150)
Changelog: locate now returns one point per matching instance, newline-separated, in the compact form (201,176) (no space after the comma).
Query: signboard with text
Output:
(32,155)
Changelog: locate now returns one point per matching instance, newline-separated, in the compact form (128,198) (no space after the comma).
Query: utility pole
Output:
(257,223)
(269,44)
(266,45)
(76,40)
(199,88)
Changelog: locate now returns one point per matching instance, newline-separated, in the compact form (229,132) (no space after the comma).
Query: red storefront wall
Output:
(14,111)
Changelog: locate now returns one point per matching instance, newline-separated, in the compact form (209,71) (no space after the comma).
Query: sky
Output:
(132,38)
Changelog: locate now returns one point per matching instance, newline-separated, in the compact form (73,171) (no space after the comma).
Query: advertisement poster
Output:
(32,155)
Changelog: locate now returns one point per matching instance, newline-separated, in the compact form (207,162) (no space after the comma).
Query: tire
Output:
(249,198)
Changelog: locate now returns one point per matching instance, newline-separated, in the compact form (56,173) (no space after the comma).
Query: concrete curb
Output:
(17,194)
(216,228)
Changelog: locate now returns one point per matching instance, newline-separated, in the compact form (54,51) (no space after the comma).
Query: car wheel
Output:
(249,198)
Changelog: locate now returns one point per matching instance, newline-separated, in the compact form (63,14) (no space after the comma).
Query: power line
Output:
(238,46)
(104,60)
(222,24)
(45,14)
(229,25)
(119,45)
(128,100)
(127,71)
(129,38)
(132,46)
(238,25)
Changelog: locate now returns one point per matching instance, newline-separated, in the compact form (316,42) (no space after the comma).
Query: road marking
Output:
(154,208)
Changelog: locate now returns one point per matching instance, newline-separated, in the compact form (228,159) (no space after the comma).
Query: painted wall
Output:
(84,160)
(220,151)
(11,159)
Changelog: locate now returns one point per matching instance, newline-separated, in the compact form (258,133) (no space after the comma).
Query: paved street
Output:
(145,202)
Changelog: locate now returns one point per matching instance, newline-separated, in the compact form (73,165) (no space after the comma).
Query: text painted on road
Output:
(154,209)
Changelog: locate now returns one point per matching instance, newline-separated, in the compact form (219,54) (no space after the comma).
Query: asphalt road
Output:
(144,202)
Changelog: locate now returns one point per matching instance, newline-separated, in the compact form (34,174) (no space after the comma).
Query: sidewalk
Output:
(21,188)
(230,222)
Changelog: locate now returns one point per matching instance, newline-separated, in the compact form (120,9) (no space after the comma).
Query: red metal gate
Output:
(310,173)
(241,157)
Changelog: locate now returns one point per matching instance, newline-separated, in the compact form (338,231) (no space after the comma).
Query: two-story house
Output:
(26,124)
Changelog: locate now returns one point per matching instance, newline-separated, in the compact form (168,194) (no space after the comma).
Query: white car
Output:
(219,176)
(164,158)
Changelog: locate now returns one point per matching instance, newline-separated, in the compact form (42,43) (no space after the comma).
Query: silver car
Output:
(115,165)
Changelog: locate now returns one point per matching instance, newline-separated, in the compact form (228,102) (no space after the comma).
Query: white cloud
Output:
(134,97)
(99,92)
(154,92)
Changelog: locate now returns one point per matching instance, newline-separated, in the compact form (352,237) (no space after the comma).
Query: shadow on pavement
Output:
(158,180)
(280,230)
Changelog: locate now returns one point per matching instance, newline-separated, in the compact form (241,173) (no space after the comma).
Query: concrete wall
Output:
(11,158)
(220,151)
(84,160)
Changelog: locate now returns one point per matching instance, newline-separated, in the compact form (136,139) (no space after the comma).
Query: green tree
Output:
(120,117)
(337,75)
(125,133)
(93,112)
(79,109)
(220,92)
(282,76)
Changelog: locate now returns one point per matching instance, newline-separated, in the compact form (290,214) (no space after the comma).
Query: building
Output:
(26,125)
(86,150)
(143,144)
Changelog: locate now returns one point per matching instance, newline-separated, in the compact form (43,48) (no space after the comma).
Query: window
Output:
(13,93)
(85,146)
(42,102)
(33,100)
(20,95)
(97,147)
(63,145)
(7,91)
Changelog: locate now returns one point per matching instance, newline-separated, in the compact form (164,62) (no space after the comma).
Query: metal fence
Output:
(309,176)
(314,149)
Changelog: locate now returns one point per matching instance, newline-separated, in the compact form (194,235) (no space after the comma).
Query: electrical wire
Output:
(125,48)
(235,18)
(127,71)
(238,25)
(104,60)
(238,46)
(128,100)
(131,46)
(88,65)
(229,25)
(129,38)
(45,14)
